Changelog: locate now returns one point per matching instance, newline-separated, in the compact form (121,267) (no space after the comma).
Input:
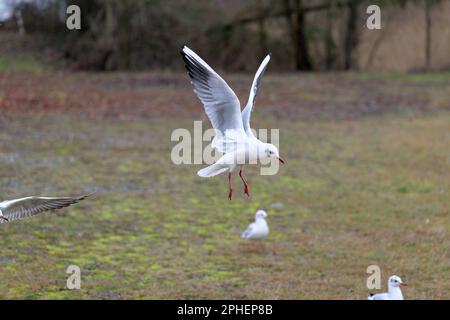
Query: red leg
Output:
(230,191)
(245,183)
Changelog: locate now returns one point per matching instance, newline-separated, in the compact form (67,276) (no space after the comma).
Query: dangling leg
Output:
(245,182)
(230,191)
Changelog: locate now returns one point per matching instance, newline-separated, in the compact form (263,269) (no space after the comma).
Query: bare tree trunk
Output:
(290,25)
(124,33)
(303,62)
(20,23)
(351,36)
(428,34)
(106,42)
(262,34)
(378,41)
(329,43)
(295,18)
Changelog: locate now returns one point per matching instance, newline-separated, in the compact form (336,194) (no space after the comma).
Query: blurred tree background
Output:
(301,34)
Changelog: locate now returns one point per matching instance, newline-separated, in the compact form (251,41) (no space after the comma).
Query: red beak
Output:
(281,160)
(403,284)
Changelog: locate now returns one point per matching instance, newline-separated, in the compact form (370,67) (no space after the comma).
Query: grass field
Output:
(367,181)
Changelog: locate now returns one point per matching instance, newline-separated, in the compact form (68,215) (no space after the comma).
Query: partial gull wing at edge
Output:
(30,206)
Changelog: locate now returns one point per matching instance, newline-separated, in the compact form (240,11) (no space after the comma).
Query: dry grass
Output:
(369,188)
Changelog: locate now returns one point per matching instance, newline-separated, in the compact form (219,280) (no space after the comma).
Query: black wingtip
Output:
(87,195)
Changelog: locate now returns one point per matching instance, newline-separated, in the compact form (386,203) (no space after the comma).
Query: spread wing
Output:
(220,102)
(253,92)
(30,206)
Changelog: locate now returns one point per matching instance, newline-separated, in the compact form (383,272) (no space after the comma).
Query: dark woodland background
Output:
(301,34)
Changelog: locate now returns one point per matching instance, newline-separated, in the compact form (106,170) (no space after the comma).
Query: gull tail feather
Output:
(212,170)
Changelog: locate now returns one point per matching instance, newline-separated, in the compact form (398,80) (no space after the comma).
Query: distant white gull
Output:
(22,208)
(258,229)
(394,292)
(234,137)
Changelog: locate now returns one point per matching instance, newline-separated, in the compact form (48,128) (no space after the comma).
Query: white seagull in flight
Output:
(394,292)
(22,208)
(258,229)
(234,137)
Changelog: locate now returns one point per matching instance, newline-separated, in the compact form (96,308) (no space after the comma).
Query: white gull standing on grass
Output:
(394,292)
(234,137)
(258,229)
(22,208)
